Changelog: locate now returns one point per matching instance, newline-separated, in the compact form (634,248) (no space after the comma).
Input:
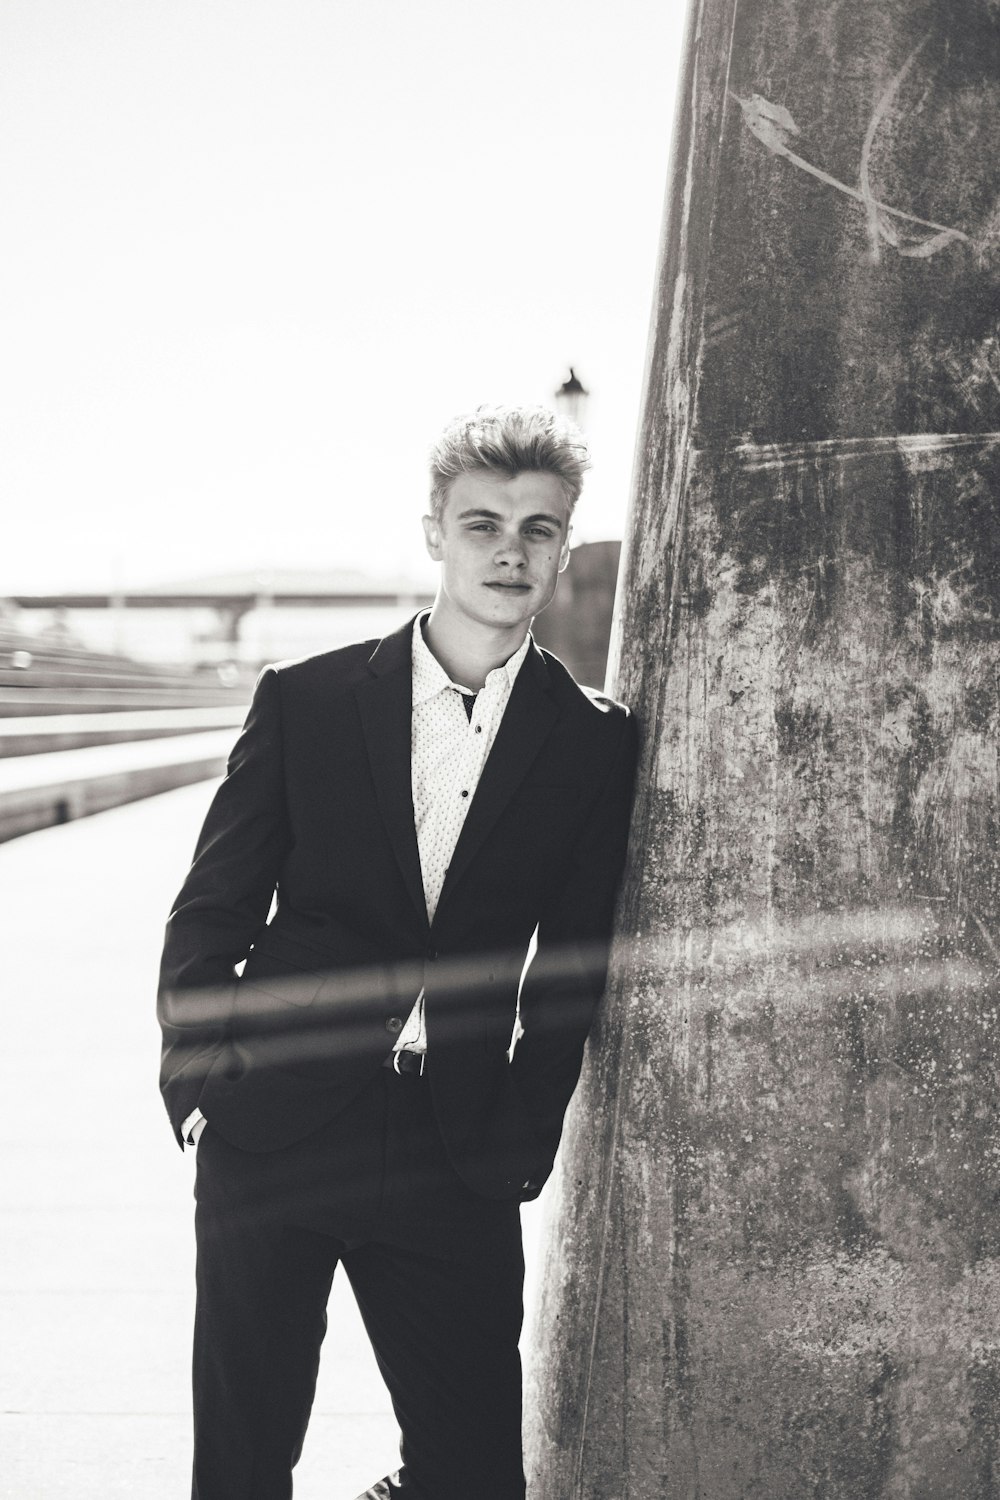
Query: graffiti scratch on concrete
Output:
(923,447)
(774,126)
(879,224)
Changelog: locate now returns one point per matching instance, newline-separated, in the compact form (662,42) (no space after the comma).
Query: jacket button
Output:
(394,1024)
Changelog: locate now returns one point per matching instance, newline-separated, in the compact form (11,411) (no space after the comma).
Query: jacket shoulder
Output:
(605,704)
(590,703)
(344,664)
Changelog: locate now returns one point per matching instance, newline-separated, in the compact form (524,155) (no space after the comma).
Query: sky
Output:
(256,253)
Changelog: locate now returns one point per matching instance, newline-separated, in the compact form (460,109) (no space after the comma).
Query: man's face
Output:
(502,544)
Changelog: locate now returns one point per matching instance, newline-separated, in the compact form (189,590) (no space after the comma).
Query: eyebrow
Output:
(493,515)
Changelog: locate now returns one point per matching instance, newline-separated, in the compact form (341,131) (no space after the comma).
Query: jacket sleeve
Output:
(223,903)
(568,973)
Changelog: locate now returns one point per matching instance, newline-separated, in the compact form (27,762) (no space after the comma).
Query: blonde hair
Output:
(509,440)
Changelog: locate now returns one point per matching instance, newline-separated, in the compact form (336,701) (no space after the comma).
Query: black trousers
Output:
(437,1272)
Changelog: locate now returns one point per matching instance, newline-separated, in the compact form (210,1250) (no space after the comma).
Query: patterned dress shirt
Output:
(452,733)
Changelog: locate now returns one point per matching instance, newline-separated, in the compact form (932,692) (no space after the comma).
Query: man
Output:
(417,806)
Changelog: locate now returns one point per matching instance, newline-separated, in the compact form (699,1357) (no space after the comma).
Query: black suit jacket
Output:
(317,807)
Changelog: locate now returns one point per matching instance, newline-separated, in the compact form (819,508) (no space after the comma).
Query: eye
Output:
(541,531)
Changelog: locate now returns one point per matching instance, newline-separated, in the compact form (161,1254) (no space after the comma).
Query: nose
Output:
(511,552)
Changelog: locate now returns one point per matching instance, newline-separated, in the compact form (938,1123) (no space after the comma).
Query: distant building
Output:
(577,624)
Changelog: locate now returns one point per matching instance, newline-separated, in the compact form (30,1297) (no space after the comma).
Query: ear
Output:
(432,537)
(564,554)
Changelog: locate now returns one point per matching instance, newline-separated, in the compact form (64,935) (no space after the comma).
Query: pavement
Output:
(57,786)
(96,1241)
(56,767)
(37,734)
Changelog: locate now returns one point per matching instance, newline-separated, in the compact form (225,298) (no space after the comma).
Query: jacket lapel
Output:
(384,703)
(526,724)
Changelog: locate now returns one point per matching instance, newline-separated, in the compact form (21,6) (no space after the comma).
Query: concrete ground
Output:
(96,1244)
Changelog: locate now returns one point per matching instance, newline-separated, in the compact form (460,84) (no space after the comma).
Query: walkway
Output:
(54,787)
(96,1252)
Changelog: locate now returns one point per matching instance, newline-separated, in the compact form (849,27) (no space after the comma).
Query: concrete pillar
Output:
(774,1234)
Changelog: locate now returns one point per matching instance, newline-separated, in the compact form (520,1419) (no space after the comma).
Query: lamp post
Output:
(571,399)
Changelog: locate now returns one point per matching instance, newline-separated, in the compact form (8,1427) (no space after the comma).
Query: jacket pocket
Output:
(271,976)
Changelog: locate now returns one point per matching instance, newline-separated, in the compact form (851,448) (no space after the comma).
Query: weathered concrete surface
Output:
(775,1238)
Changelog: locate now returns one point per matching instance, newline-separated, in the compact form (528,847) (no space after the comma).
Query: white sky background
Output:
(255,253)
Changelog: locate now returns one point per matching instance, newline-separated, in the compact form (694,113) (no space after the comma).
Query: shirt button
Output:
(479,728)
(394,1024)
(465,794)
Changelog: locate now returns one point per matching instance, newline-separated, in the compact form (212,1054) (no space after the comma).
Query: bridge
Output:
(233,598)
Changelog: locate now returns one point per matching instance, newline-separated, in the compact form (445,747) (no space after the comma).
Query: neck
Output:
(470,652)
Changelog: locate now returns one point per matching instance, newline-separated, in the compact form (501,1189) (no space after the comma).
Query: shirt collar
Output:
(430,678)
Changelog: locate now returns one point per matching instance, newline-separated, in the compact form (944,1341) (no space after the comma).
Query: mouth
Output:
(509,588)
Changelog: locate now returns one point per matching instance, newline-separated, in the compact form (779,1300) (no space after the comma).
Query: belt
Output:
(407,1062)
